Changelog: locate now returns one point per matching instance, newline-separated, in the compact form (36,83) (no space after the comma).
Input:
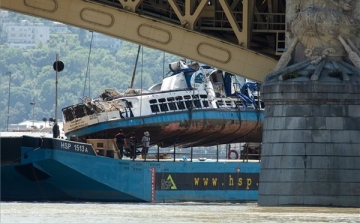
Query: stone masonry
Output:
(311,144)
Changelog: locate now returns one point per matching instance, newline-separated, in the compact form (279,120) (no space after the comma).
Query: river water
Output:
(12,212)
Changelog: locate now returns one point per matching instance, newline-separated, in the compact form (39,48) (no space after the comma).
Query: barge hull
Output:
(54,169)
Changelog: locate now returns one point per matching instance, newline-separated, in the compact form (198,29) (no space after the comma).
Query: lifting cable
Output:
(87,69)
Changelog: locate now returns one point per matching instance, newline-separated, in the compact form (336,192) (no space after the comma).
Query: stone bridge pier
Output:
(311,135)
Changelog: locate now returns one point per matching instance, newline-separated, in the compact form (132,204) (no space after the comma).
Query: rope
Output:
(134,71)
(163,65)
(87,68)
(141,82)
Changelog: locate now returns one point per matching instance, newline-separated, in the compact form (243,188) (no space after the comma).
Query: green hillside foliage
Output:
(33,76)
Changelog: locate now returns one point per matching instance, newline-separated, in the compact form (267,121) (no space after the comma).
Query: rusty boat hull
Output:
(205,127)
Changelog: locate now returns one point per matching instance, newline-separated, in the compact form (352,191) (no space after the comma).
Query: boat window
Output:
(228,103)
(187,97)
(68,114)
(88,111)
(205,104)
(154,108)
(171,99)
(217,77)
(195,96)
(203,96)
(220,103)
(180,104)
(219,89)
(162,100)
(153,101)
(239,103)
(164,107)
(188,104)
(178,98)
(262,104)
(197,103)
(79,111)
(100,144)
(172,106)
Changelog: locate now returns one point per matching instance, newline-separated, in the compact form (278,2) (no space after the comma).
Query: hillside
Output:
(85,73)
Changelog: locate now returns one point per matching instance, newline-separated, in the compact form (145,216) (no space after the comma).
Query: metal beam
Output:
(149,32)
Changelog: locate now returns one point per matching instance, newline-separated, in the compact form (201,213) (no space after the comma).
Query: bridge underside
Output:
(241,37)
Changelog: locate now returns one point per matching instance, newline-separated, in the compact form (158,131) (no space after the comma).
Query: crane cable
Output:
(88,65)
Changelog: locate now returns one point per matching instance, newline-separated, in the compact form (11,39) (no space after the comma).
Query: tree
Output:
(33,74)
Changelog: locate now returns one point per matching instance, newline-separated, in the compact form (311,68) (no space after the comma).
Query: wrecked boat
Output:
(196,105)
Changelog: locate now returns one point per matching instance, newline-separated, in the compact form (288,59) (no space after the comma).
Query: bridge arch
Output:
(149,31)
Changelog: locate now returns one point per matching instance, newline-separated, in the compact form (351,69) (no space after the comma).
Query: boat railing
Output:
(239,152)
(244,152)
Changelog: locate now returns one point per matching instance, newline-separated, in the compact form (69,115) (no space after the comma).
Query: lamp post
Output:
(56,87)
(8,111)
(33,104)
(58,66)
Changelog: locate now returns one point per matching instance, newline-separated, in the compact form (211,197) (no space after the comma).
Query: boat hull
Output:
(62,173)
(204,127)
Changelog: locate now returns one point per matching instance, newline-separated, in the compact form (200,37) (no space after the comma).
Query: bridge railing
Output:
(268,22)
(262,22)
(213,21)
(216,20)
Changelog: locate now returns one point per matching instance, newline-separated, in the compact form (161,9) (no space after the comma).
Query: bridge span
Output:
(242,37)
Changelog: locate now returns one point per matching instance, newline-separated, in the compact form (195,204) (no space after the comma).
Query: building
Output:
(26,34)
(103,41)
(59,28)
(4,15)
